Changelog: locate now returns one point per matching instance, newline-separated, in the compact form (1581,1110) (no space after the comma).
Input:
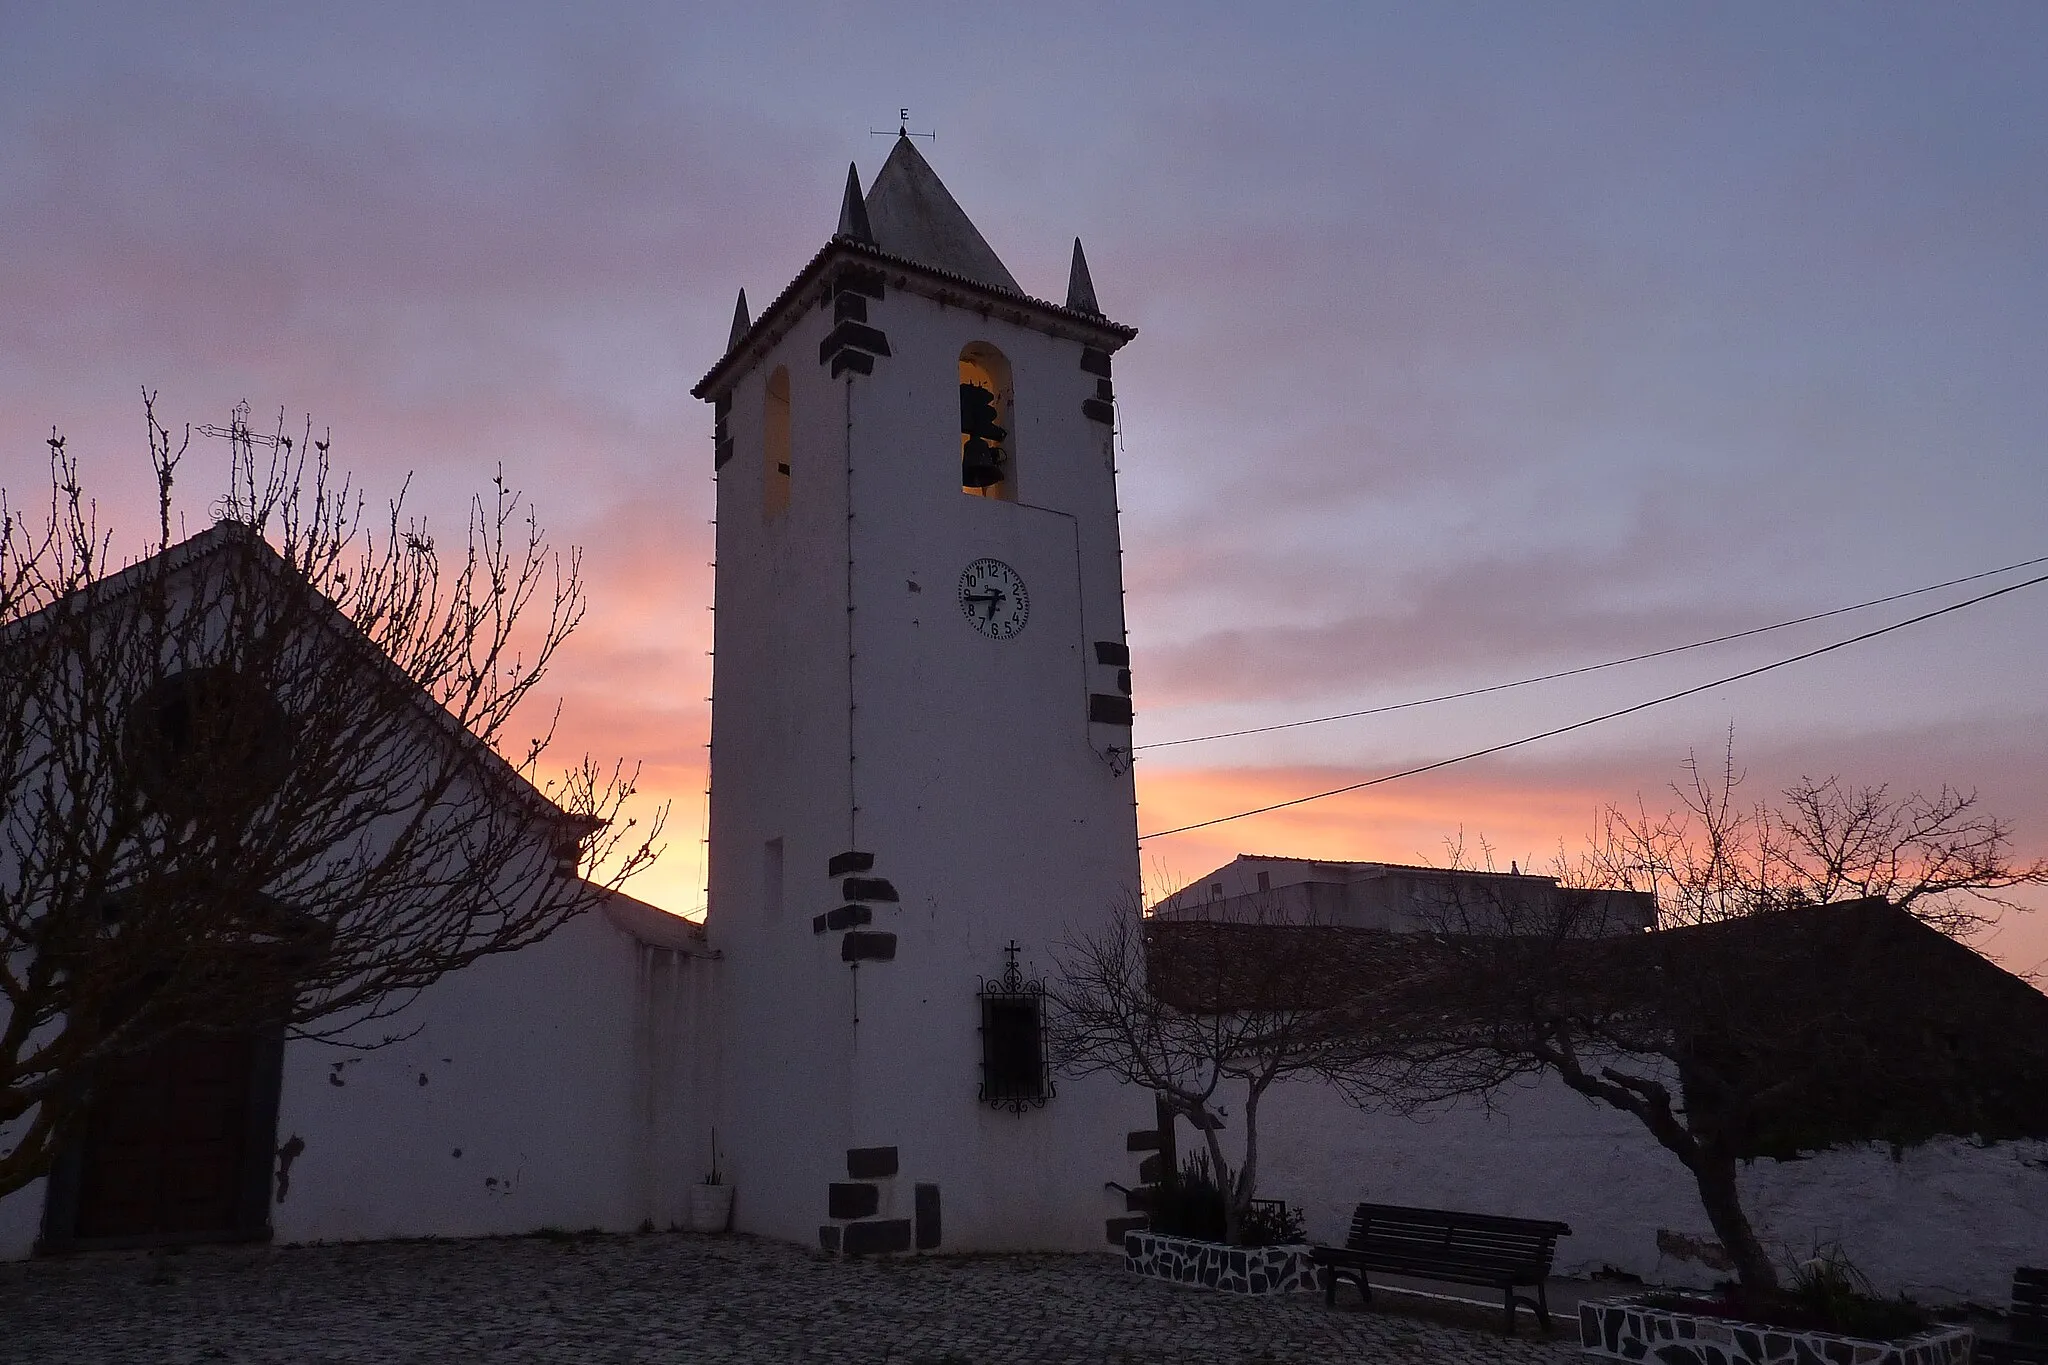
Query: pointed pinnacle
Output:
(1080,288)
(740,322)
(853,210)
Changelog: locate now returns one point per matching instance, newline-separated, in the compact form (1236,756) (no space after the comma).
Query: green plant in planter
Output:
(1190,1203)
(1825,1293)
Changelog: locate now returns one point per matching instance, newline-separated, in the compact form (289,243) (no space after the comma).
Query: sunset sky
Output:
(1477,341)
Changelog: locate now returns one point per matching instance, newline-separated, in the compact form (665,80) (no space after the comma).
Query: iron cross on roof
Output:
(902,128)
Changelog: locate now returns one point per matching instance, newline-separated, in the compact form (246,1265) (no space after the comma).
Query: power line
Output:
(1605,716)
(1589,668)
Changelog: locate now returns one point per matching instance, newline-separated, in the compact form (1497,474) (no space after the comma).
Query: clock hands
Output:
(992,596)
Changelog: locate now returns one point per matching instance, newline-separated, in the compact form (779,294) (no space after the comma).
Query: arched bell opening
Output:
(987,444)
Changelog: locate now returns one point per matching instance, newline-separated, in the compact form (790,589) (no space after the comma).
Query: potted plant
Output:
(711,1199)
(1828,1312)
(1188,1244)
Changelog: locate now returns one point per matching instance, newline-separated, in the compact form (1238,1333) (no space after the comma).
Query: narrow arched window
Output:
(775,446)
(988,466)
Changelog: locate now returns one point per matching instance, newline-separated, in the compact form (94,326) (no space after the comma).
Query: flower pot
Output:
(1213,1265)
(710,1207)
(1629,1329)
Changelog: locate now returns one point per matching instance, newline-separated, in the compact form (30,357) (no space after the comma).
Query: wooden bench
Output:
(2028,1324)
(1438,1244)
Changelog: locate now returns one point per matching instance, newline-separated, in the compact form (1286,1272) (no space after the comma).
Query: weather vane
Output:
(902,128)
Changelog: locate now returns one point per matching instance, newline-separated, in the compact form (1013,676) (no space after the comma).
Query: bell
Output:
(981,464)
(978,414)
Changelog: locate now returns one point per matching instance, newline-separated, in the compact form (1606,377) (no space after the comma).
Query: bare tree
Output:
(1209,1015)
(1722,1031)
(265,778)
(1713,857)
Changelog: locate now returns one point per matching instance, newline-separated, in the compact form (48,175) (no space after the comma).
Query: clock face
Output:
(993,600)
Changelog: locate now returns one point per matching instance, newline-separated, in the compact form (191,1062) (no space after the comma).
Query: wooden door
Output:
(166,1148)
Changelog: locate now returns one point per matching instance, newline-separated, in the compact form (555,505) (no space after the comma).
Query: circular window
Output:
(207,739)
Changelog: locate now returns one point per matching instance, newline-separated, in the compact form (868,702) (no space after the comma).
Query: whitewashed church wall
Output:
(1946,1221)
(552,1087)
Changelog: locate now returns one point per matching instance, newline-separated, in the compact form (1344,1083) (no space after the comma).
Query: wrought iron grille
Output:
(1015,1074)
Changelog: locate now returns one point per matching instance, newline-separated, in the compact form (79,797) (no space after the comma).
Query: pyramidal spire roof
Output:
(912,215)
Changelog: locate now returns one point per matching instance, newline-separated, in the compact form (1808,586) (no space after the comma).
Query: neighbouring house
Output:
(1258,888)
(1908,1129)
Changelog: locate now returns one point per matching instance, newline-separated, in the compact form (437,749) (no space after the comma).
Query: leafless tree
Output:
(1727,1024)
(1209,1015)
(1714,857)
(266,777)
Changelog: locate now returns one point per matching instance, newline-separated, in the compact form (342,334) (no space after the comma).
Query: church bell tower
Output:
(921,779)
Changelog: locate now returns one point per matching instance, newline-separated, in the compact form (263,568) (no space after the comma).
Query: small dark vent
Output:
(878,888)
(1111,652)
(927,1216)
(843,863)
(1095,361)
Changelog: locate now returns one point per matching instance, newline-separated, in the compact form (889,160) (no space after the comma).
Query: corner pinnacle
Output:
(1080,288)
(740,322)
(853,210)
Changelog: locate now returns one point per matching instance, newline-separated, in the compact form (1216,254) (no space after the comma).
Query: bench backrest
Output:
(2030,1304)
(1445,1236)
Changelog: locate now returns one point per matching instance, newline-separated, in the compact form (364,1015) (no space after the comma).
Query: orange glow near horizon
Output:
(1528,823)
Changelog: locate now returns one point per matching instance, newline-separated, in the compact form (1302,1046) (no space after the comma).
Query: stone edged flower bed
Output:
(1213,1265)
(1628,1329)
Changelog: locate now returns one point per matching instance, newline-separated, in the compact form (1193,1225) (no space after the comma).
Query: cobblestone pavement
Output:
(676,1297)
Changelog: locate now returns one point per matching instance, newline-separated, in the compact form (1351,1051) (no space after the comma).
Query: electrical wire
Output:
(1604,716)
(1588,668)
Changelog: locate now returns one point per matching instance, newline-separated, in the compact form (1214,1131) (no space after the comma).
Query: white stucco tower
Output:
(920,738)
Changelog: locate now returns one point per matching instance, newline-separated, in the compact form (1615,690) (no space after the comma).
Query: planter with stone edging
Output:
(1630,1329)
(1214,1265)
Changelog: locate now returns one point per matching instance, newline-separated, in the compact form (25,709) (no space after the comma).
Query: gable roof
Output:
(912,214)
(228,537)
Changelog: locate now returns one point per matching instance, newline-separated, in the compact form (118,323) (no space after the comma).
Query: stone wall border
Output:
(1629,1329)
(1213,1265)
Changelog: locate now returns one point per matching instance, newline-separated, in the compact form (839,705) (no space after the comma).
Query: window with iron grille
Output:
(1014,1072)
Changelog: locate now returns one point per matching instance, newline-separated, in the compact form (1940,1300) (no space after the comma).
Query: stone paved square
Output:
(665,1297)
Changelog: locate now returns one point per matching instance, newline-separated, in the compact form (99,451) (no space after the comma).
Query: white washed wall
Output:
(552,1087)
(974,782)
(570,1077)
(1943,1222)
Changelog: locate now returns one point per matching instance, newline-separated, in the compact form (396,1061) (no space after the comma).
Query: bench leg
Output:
(1511,1310)
(1543,1306)
(1330,1286)
(1364,1289)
